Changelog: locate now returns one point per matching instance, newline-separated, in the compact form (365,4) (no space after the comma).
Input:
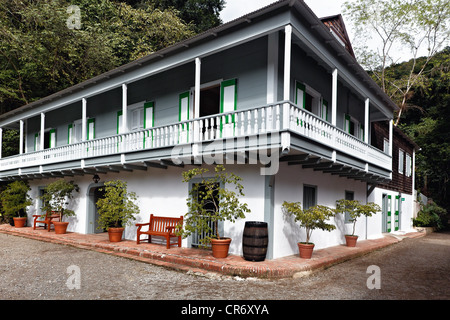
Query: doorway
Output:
(94,193)
(196,237)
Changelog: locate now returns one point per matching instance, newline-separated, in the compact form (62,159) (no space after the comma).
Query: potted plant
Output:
(56,198)
(211,201)
(15,200)
(355,210)
(116,209)
(312,218)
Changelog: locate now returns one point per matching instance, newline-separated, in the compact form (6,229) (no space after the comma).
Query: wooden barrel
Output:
(255,241)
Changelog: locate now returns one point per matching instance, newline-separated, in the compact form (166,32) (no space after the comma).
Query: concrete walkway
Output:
(198,260)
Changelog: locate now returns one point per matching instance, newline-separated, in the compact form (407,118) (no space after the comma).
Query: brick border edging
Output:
(178,262)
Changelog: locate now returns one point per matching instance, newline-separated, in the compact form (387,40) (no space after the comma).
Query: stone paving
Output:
(198,260)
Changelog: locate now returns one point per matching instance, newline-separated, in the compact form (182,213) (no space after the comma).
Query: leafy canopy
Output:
(356,209)
(57,196)
(312,218)
(117,208)
(211,201)
(15,199)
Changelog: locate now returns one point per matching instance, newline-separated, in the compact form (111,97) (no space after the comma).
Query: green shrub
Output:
(431,215)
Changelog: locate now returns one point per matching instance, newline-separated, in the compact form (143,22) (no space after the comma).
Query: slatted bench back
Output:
(160,224)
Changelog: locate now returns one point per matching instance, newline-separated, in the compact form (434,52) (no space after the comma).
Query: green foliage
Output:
(57,196)
(211,200)
(15,199)
(200,14)
(40,55)
(412,25)
(312,218)
(356,209)
(431,215)
(117,208)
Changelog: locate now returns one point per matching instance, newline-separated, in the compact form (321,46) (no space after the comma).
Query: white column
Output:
(124,108)
(285,137)
(272,68)
(41,142)
(366,121)
(413,171)
(287,62)
(287,73)
(1,142)
(198,64)
(21,137)
(391,136)
(83,119)
(334,98)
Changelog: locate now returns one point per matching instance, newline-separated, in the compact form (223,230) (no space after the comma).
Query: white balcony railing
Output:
(233,124)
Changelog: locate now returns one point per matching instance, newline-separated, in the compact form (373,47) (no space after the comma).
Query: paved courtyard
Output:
(414,268)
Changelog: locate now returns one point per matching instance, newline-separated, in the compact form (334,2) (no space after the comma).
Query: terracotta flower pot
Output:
(20,222)
(60,227)
(351,240)
(305,250)
(115,234)
(220,247)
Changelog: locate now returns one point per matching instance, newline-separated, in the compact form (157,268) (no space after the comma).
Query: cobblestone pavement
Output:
(36,270)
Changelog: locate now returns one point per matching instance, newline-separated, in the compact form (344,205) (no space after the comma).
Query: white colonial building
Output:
(277,95)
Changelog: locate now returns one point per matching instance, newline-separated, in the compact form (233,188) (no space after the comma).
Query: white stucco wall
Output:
(289,187)
(163,193)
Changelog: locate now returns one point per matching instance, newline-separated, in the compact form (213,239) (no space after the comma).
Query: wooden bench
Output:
(47,219)
(160,226)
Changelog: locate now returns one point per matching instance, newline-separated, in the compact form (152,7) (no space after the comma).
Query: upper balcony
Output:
(275,83)
(305,139)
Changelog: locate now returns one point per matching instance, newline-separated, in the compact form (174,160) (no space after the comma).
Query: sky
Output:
(237,8)
(322,8)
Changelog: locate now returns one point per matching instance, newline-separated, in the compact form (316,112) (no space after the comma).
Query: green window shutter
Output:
(52,138)
(361,132)
(119,122)
(397,211)
(389,210)
(228,95)
(70,134)
(347,123)
(300,94)
(37,141)
(324,110)
(184,107)
(228,103)
(149,122)
(149,115)
(91,129)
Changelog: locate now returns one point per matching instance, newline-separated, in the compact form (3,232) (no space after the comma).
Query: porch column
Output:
(285,137)
(83,119)
(391,135)
(366,121)
(198,64)
(287,73)
(334,98)
(272,68)
(21,137)
(1,142)
(41,142)
(124,108)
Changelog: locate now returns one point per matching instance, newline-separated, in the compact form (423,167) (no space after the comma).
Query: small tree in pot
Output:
(56,198)
(116,209)
(15,200)
(355,210)
(211,201)
(312,218)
